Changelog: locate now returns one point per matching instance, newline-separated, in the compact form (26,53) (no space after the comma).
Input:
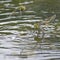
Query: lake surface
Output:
(18,38)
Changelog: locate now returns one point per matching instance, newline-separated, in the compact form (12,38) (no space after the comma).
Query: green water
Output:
(22,38)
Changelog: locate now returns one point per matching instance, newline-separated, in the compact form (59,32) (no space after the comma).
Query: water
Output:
(18,39)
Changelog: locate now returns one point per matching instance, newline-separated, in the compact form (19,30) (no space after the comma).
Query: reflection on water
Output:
(19,40)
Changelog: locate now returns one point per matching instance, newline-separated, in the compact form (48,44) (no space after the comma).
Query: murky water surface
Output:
(18,36)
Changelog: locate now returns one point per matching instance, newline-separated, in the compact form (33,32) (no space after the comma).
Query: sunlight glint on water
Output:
(17,38)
